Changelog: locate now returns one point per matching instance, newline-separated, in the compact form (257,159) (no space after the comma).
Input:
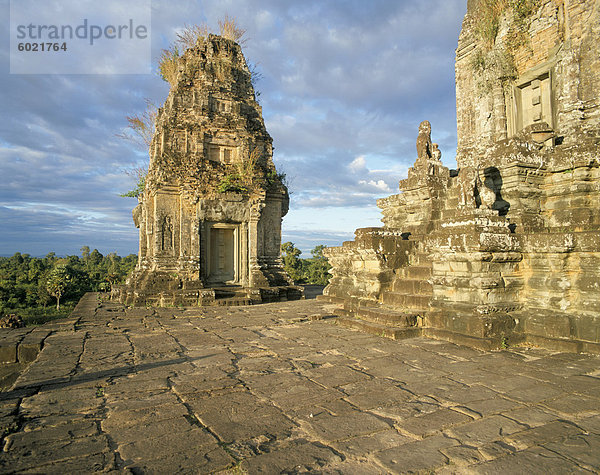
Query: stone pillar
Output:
(141,250)
(244,251)
(157,236)
(143,245)
(194,238)
(256,277)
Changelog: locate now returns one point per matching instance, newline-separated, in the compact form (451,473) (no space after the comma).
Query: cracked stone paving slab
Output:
(262,389)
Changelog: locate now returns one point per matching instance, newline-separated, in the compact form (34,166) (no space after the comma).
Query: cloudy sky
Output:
(345,84)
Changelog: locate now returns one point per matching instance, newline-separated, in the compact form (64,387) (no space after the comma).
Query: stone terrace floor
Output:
(270,389)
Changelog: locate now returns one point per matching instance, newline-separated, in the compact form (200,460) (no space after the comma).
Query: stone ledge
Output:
(21,347)
(386,331)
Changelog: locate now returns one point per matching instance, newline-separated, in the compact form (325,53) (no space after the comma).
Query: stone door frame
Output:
(237,277)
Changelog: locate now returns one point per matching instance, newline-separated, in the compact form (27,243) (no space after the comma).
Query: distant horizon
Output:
(304,255)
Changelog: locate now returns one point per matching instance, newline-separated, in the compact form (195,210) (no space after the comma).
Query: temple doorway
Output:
(223,255)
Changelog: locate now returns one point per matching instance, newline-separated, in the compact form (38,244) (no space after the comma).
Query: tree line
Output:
(312,270)
(39,289)
(43,288)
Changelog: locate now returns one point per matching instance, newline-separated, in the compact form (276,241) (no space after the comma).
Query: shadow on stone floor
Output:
(99,375)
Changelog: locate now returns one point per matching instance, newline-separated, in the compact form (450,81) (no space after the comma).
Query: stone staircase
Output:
(231,296)
(402,308)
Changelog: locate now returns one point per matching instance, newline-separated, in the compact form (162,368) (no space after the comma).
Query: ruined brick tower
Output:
(210,216)
(506,249)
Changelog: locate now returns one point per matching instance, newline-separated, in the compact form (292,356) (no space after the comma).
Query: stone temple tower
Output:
(210,216)
(504,250)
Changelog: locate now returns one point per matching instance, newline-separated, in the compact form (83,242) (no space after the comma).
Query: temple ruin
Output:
(210,216)
(504,250)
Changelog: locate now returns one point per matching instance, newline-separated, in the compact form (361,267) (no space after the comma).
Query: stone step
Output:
(233,302)
(341,312)
(230,292)
(231,296)
(412,286)
(406,302)
(387,316)
(331,299)
(395,333)
(451,213)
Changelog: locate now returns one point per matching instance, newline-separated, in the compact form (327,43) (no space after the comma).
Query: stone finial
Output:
(424,145)
(428,154)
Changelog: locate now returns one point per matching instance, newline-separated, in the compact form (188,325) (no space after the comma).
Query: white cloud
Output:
(345,86)
(358,164)
(379,184)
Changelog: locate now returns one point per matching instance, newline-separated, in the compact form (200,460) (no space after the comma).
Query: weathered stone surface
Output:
(551,432)
(34,451)
(423,455)
(405,405)
(203,460)
(8,354)
(488,407)
(531,416)
(428,424)
(580,449)
(535,460)
(575,404)
(486,430)
(506,249)
(376,393)
(462,455)
(240,415)
(365,444)
(301,456)
(210,215)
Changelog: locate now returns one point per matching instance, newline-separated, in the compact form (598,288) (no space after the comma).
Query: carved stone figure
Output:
(424,145)
(428,154)
(167,234)
(467,183)
(486,195)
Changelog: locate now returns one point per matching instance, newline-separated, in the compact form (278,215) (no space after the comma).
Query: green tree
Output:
(50,258)
(96,257)
(43,296)
(316,269)
(292,263)
(25,289)
(57,283)
(317,252)
(140,175)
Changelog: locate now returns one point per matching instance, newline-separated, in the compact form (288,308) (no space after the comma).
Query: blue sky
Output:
(345,85)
